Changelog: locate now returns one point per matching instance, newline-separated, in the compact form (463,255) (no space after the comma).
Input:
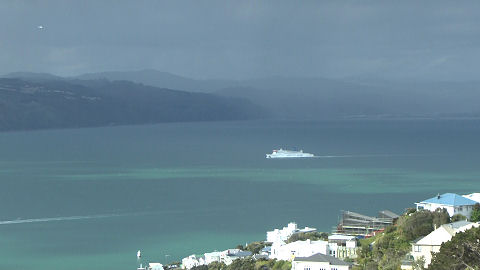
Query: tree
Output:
(242,264)
(458,217)
(282,265)
(255,247)
(475,213)
(314,236)
(217,266)
(460,253)
(440,217)
(421,223)
(419,264)
(200,267)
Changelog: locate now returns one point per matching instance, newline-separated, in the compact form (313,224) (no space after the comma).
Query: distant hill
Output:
(60,104)
(160,79)
(312,98)
(33,76)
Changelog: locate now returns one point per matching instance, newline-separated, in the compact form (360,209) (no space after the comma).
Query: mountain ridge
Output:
(26,105)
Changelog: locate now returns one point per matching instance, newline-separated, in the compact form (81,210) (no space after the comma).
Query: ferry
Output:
(281,153)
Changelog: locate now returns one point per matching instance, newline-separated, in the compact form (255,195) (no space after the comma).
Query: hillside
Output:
(319,98)
(312,98)
(160,79)
(28,105)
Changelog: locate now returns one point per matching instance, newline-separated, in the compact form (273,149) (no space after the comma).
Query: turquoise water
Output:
(90,198)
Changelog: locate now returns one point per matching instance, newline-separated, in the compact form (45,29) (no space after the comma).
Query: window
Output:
(420,207)
(417,248)
(306,267)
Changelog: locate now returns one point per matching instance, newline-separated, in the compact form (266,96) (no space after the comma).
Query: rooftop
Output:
(321,258)
(450,199)
(341,237)
(473,196)
(458,224)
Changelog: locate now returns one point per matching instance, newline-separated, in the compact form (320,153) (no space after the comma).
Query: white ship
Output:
(281,153)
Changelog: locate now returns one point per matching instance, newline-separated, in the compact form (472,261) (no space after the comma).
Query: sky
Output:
(430,40)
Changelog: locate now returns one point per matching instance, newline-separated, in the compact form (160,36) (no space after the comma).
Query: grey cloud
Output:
(242,39)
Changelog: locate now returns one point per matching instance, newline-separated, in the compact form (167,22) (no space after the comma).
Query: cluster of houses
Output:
(338,245)
(227,257)
(330,254)
(426,246)
(321,253)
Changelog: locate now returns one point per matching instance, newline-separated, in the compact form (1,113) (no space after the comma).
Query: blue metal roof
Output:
(450,199)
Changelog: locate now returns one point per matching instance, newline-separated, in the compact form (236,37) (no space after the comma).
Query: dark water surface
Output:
(90,198)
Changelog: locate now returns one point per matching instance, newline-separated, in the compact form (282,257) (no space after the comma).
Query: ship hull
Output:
(288,154)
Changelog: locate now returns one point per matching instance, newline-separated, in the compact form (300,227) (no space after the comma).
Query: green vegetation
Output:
(421,223)
(419,264)
(247,264)
(28,105)
(386,250)
(255,247)
(462,252)
(457,217)
(475,213)
(314,236)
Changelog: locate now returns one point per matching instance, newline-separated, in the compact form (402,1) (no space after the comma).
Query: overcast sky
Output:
(433,40)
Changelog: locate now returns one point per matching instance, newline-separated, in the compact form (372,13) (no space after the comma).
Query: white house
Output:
(473,197)
(287,252)
(231,255)
(210,257)
(319,262)
(191,261)
(342,246)
(453,203)
(278,235)
(155,266)
(432,242)
(226,256)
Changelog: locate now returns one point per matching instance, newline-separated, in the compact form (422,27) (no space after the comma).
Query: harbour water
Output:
(90,198)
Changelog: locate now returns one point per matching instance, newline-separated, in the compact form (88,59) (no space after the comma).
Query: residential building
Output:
(226,256)
(342,246)
(233,254)
(319,262)
(426,246)
(278,235)
(287,252)
(473,197)
(453,203)
(266,251)
(357,224)
(155,266)
(192,261)
(210,257)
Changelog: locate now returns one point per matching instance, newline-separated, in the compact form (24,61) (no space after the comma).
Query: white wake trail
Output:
(372,155)
(49,219)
